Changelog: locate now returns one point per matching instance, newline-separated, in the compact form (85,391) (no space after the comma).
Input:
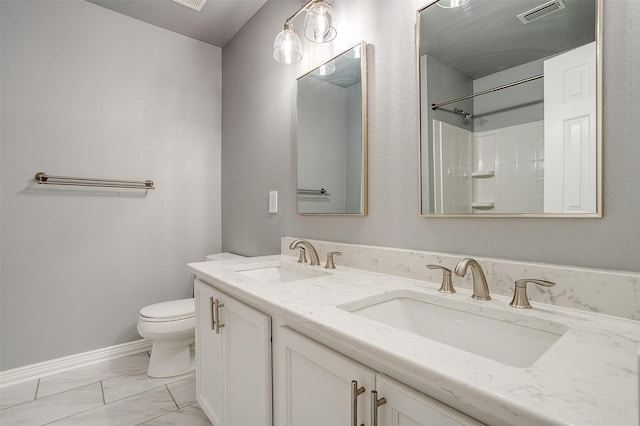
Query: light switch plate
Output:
(273,201)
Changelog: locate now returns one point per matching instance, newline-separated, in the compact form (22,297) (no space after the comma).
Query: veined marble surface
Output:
(593,290)
(588,377)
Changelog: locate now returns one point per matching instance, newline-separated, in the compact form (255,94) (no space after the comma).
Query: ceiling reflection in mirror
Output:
(332,136)
(510,108)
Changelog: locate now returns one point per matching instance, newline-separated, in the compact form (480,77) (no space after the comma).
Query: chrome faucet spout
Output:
(480,287)
(313,254)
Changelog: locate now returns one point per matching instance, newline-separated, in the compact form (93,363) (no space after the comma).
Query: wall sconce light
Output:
(318,27)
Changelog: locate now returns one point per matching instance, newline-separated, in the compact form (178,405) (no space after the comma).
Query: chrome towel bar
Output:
(312,191)
(43,178)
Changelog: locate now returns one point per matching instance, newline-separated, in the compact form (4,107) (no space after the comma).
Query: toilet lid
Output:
(171,310)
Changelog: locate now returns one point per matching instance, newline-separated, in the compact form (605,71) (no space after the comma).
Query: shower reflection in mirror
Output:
(510,116)
(332,136)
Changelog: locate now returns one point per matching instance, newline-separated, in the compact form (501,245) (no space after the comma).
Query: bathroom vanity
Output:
(333,347)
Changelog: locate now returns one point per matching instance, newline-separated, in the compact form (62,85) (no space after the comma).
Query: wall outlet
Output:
(273,201)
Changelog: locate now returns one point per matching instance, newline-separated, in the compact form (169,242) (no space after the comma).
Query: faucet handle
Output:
(303,255)
(447,283)
(520,298)
(330,264)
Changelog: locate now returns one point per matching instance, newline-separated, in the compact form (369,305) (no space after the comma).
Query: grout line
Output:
(116,400)
(171,395)
(71,415)
(103,377)
(78,413)
(152,419)
(175,379)
(35,396)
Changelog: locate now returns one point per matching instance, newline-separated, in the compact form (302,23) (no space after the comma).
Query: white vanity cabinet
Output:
(233,359)
(404,406)
(313,386)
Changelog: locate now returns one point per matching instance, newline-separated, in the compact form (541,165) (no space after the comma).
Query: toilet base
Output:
(171,358)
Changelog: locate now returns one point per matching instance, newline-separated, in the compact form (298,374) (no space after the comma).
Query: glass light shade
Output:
(287,48)
(450,4)
(318,23)
(326,69)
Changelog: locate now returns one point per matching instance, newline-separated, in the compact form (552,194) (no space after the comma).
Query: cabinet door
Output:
(313,383)
(406,407)
(233,366)
(247,360)
(209,370)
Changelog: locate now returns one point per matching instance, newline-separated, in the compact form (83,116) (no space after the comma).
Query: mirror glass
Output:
(510,107)
(332,136)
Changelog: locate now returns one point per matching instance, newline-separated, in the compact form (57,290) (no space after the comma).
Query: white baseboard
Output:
(58,365)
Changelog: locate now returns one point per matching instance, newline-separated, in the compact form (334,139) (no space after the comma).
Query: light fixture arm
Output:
(287,22)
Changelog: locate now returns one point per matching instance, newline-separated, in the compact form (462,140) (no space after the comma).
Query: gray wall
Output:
(517,105)
(322,127)
(353,193)
(258,141)
(443,84)
(89,92)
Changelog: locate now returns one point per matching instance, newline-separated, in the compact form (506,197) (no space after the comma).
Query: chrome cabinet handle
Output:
(375,403)
(520,298)
(216,307)
(355,391)
(213,318)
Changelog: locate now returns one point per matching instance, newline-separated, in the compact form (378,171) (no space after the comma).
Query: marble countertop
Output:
(588,377)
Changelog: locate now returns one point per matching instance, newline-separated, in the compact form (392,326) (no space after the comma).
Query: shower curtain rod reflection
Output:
(313,191)
(43,178)
(484,92)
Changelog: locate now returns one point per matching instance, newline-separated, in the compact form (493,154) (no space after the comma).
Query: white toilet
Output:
(171,327)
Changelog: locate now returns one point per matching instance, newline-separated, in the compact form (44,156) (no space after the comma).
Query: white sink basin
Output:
(507,337)
(279,273)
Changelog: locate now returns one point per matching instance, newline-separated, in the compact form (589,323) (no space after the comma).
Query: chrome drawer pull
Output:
(375,403)
(355,391)
(217,306)
(213,318)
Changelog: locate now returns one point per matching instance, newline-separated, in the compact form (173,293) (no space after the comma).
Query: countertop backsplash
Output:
(615,293)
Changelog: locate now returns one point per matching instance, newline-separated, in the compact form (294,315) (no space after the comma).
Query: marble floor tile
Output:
(54,407)
(125,412)
(133,383)
(184,391)
(91,373)
(191,415)
(17,394)
(187,416)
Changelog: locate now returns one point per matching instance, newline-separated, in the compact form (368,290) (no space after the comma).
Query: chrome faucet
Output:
(480,287)
(313,254)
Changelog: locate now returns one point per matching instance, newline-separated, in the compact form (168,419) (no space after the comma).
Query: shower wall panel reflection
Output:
(509,115)
(332,137)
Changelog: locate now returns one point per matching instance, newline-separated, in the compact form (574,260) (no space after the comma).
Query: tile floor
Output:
(116,392)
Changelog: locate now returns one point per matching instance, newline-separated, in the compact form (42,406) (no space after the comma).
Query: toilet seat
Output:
(173,310)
